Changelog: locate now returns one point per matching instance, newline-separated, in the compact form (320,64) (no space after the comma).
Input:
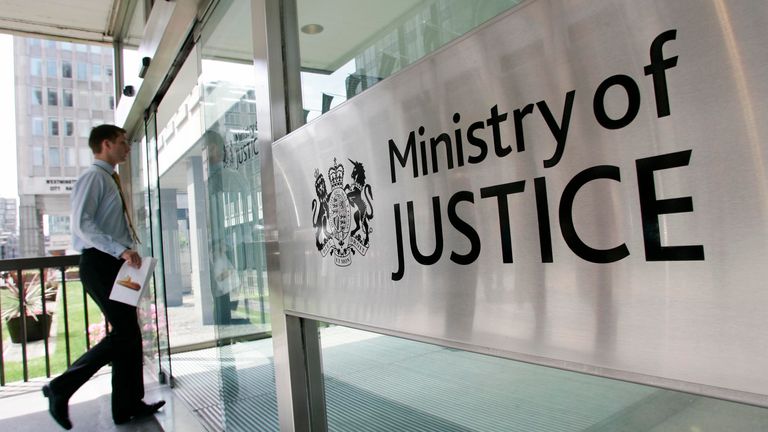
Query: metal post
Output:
(66,319)
(23,317)
(45,319)
(85,316)
(2,349)
(278,87)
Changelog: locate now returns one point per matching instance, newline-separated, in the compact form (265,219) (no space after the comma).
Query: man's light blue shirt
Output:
(97,219)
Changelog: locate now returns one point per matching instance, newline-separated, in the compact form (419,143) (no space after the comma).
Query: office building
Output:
(62,90)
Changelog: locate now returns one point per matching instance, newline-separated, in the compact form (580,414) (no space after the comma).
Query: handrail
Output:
(39,262)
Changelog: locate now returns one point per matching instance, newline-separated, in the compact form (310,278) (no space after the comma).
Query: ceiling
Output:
(347,25)
(83,20)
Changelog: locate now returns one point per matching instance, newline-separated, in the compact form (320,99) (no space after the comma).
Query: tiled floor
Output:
(23,408)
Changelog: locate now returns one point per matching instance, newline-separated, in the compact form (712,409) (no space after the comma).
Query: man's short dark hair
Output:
(101,133)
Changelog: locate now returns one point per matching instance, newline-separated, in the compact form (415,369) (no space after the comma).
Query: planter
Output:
(36,329)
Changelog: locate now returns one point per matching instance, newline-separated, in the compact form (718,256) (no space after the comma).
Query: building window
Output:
(95,49)
(111,102)
(69,128)
(53,126)
(82,99)
(35,67)
(232,119)
(37,156)
(81,48)
(54,157)
(85,156)
(66,46)
(83,128)
(37,96)
(51,44)
(53,97)
(96,72)
(69,157)
(108,70)
(33,42)
(82,71)
(66,69)
(37,126)
(66,97)
(51,68)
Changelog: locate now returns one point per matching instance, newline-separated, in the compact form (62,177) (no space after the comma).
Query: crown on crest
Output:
(336,175)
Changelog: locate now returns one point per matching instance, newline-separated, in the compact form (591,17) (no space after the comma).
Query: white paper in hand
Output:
(131,282)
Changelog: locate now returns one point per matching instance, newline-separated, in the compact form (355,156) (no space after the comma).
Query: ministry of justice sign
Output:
(580,185)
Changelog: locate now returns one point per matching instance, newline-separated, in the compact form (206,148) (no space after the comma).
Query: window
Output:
(51,44)
(81,48)
(53,126)
(54,157)
(69,157)
(111,102)
(108,70)
(69,128)
(33,42)
(66,46)
(53,97)
(85,156)
(82,99)
(95,49)
(66,97)
(66,69)
(51,68)
(37,126)
(83,128)
(82,71)
(35,67)
(37,156)
(95,72)
(232,119)
(37,96)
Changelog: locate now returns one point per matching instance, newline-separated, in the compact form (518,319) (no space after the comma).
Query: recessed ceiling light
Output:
(312,29)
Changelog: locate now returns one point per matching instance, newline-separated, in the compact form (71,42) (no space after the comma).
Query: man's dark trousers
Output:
(121,346)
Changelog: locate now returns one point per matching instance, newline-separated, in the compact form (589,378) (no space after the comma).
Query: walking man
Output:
(102,231)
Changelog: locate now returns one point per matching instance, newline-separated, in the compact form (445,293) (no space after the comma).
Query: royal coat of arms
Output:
(341,216)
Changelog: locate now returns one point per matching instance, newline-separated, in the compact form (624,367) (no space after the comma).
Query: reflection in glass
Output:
(375,40)
(382,383)
(212,225)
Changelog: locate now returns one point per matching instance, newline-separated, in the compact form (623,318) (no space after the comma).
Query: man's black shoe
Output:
(143,410)
(58,407)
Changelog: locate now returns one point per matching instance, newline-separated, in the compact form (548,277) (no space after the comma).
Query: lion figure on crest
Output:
(360,196)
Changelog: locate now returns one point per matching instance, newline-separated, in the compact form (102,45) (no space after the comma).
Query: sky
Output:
(8,186)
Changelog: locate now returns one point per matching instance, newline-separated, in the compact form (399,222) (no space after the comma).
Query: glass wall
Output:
(211,221)
(152,321)
(382,383)
(348,46)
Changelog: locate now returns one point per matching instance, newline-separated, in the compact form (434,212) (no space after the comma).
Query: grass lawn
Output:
(77,337)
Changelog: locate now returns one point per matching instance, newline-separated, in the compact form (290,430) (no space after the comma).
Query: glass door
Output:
(155,310)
